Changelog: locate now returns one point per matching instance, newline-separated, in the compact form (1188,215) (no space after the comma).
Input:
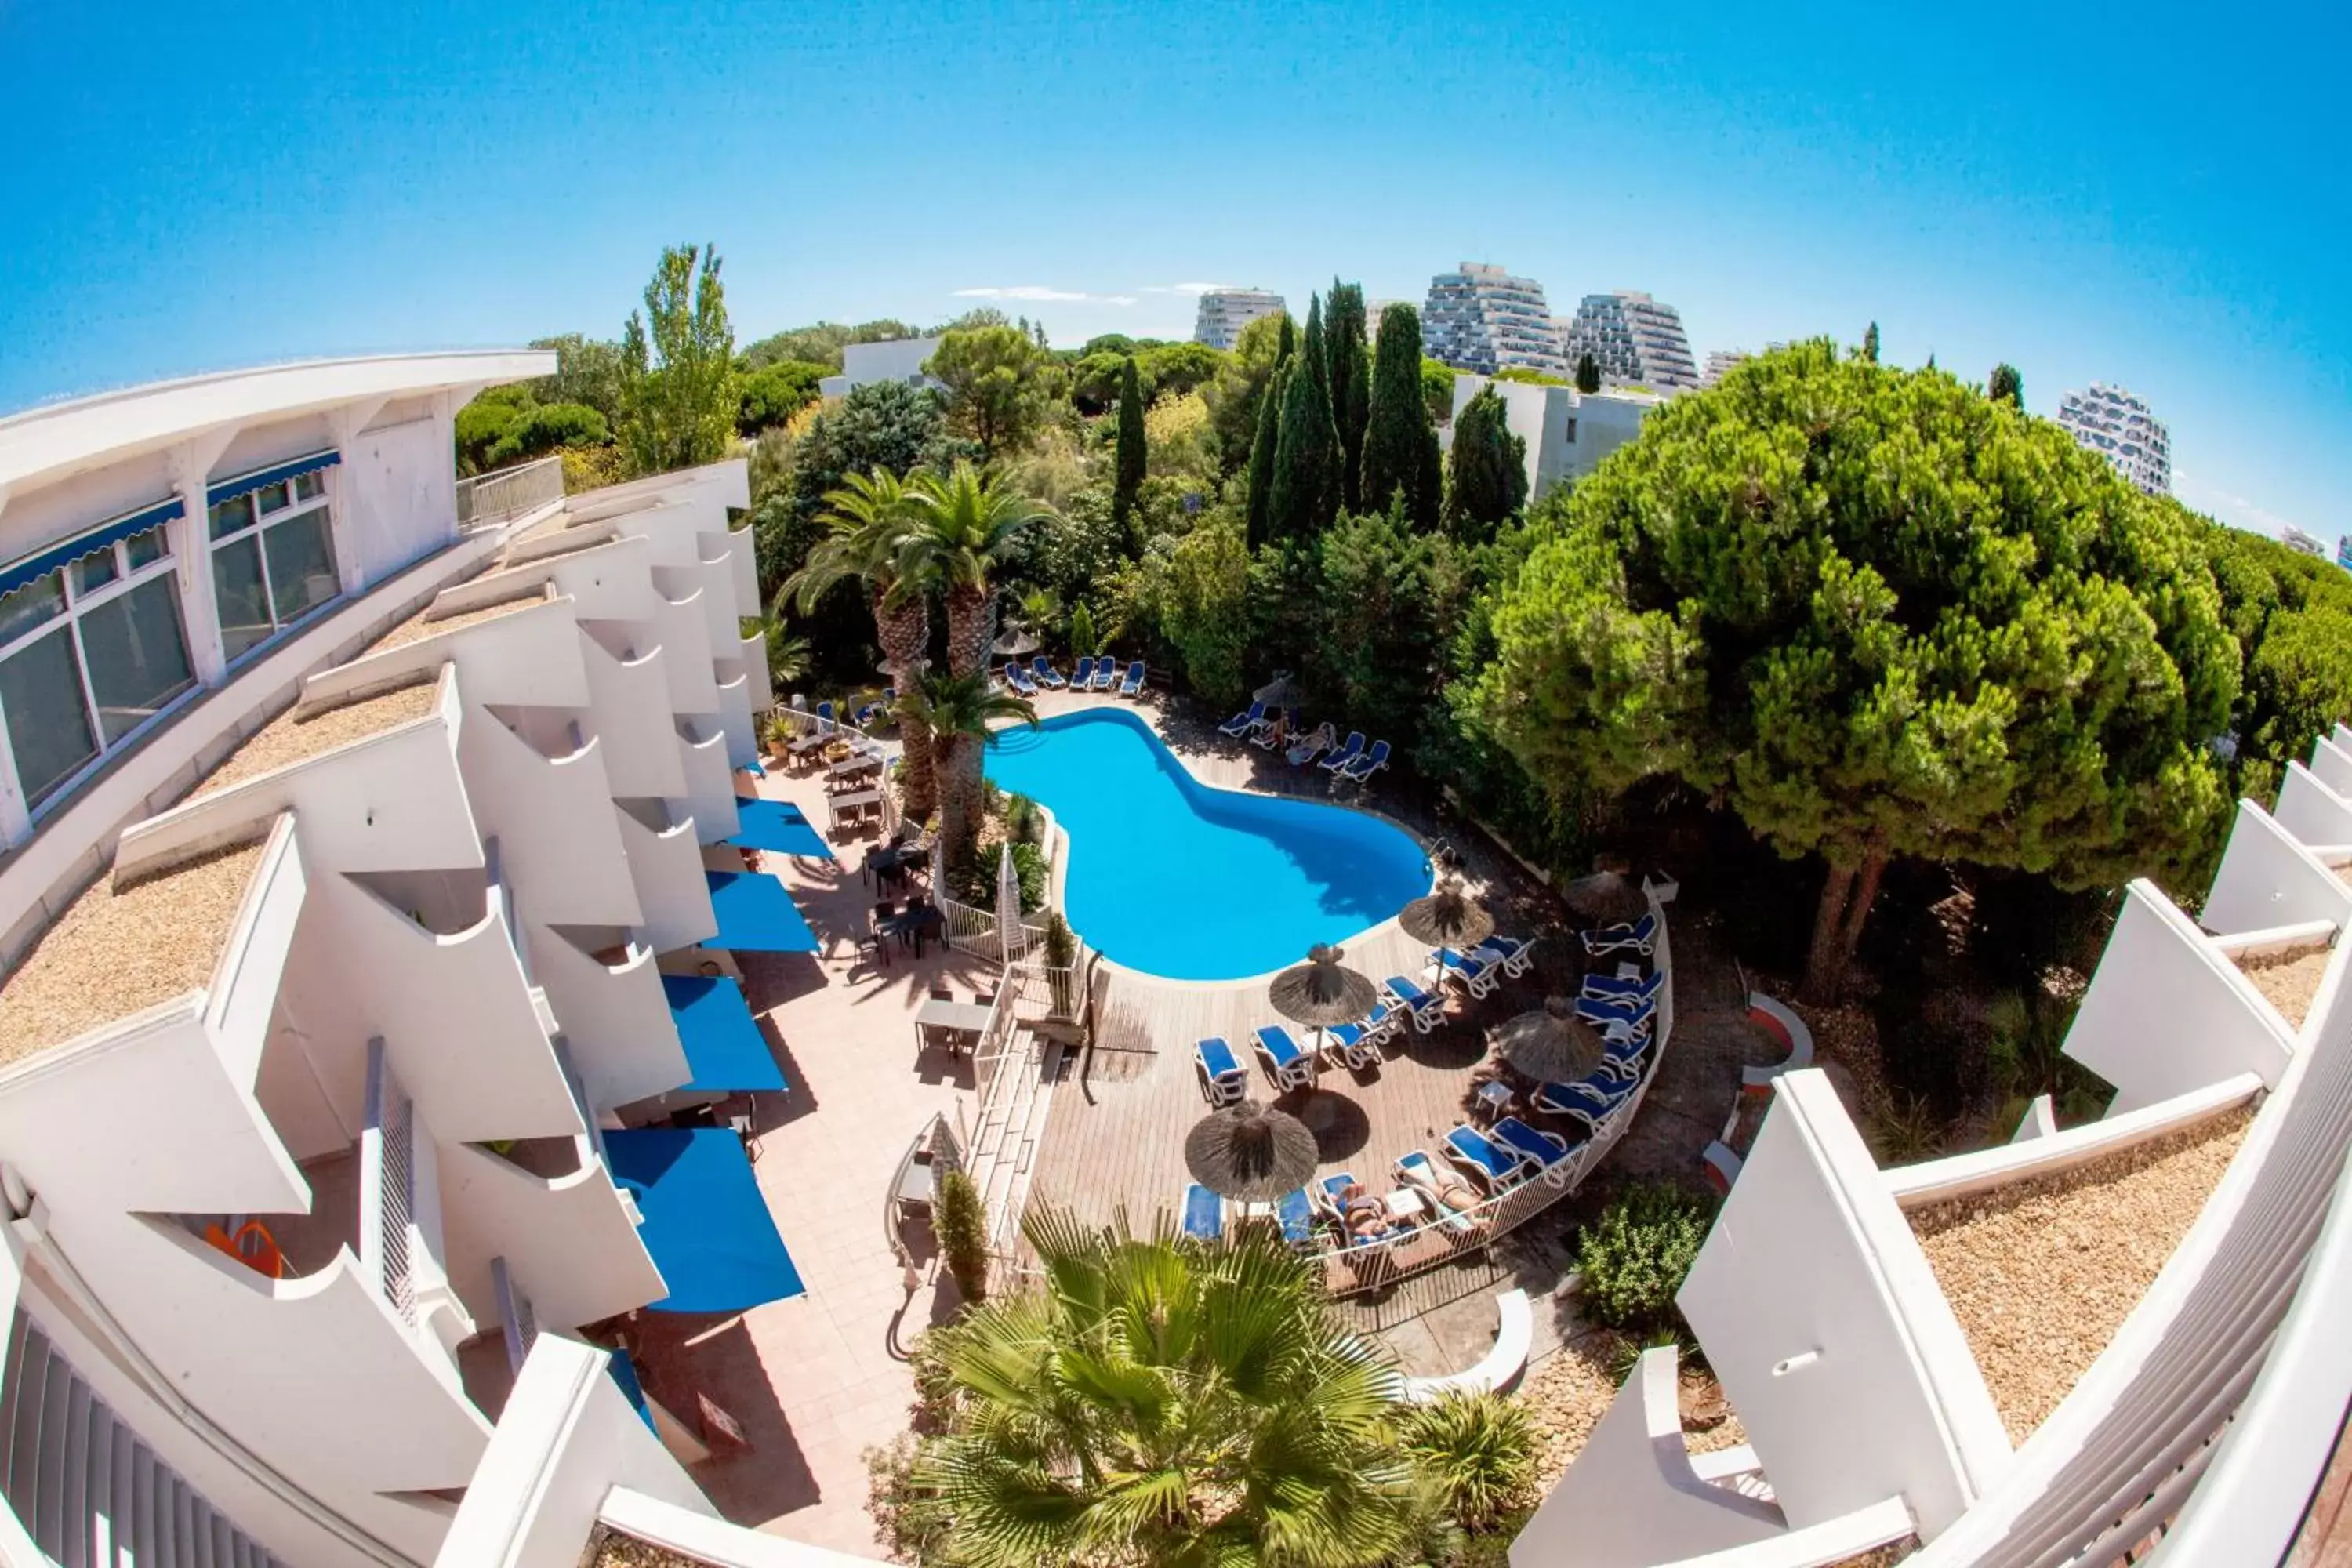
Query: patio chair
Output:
(1345,754)
(1423,1007)
(1106,673)
(1043,670)
(1134,681)
(1624,1056)
(866,714)
(1018,680)
(1448,1198)
(1514,952)
(1603,1010)
(1297,1216)
(1349,1045)
(1637,936)
(1315,745)
(1082,675)
(1324,1194)
(1610,988)
(1492,1167)
(1241,724)
(1222,1081)
(1547,1152)
(1473,974)
(1588,1102)
(1287,1064)
(1205,1213)
(1371,762)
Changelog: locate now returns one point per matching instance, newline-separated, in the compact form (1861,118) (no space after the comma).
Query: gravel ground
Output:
(2041,1273)
(1568,1393)
(2289,979)
(611,1549)
(417,627)
(113,954)
(286,739)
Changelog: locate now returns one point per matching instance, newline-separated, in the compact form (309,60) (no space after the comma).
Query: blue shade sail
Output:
(778,826)
(723,1044)
(756,915)
(705,1223)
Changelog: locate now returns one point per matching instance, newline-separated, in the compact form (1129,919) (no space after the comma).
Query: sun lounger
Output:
(1345,754)
(1437,1185)
(1241,724)
(866,714)
(1514,952)
(1590,1101)
(1368,764)
(1222,1081)
(1423,1007)
(1017,679)
(1603,1010)
(1286,1063)
(1637,936)
(1360,1043)
(1324,1194)
(1106,673)
(1491,1166)
(1043,670)
(1297,1217)
(1623,1057)
(1275,729)
(1205,1213)
(1609,988)
(1473,974)
(1083,677)
(1546,1150)
(1314,746)
(1134,681)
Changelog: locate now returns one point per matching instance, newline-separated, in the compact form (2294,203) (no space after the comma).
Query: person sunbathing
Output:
(1451,1194)
(1364,1215)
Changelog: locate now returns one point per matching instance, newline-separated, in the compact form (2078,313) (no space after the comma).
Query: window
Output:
(273,554)
(88,653)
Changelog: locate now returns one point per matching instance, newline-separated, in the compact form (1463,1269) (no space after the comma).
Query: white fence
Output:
(488,499)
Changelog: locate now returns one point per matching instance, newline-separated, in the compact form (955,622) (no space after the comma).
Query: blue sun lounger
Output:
(1222,1081)
(1368,764)
(1515,953)
(1045,674)
(1297,1216)
(1018,680)
(1241,724)
(1286,1063)
(1423,1007)
(1487,1164)
(1345,754)
(1083,676)
(1640,935)
(1588,1102)
(1609,988)
(1205,1213)
(1134,681)
(1542,1149)
(1479,976)
(1106,674)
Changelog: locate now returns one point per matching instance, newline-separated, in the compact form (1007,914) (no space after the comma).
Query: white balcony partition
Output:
(2311,811)
(615,1017)
(528,658)
(605,581)
(552,817)
(573,1236)
(401,1245)
(2268,878)
(2167,1012)
(752,657)
(667,865)
(628,698)
(705,747)
(1851,1374)
(736,721)
(679,624)
(2331,763)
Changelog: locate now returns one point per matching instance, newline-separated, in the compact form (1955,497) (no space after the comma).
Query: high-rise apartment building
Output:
(1480,318)
(1718,364)
(1225,311)
(1635,340)
(2116,425)
(2311,544)
(2344,552)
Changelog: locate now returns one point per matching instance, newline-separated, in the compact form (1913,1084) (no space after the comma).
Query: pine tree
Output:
(1129,476)
(1261,457)
(1870,344)
(1430,498)
(1351,384)
(2007,386)
(1288,343)
(1489,469)
(1304,494)
(1587,373)
(1400,443)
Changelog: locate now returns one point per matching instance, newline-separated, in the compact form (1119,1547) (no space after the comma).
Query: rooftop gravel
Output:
(2043,1272)
(115,952)
(2289,979)
(286,739)
(416,628)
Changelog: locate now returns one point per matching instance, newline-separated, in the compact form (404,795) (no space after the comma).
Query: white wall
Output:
(553,820)
(629,704)
(2311,811)
(617,1019)
(570,1241)
(1567,432)
(667,867)
(398,492)
(2268,879)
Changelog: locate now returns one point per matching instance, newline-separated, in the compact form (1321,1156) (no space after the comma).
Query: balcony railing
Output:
(489,499)
(399,1245)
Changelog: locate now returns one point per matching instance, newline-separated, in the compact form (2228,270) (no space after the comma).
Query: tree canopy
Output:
(1351,382)
(677,396)
(1587,373)
(1489,469)
(1127,476)
(1304,495)
(776,392)
(1400,439)
(997,384)
(2007,386)
(1877,615)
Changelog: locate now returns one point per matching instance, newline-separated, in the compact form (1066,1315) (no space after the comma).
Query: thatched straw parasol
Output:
(1447,918)
(1322,990)
(1550,1044)
(1606,898)
(1250,1152)
(1015,642)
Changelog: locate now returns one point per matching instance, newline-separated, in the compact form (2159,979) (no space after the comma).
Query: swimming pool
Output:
(1171,876)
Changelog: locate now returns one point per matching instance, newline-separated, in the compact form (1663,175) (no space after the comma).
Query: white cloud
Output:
(1039,293)
(1194,288)
(2235,509)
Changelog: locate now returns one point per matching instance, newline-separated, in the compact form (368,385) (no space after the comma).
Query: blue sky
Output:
(2153,197)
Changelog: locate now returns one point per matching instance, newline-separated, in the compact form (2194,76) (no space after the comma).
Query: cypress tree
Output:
(1128,478)
(1400,443)
(1351,384)
(1587,373)
(1304,494)
(1489,469)
(1289,342)
(1261,457)
(1870,344)
(2007,386)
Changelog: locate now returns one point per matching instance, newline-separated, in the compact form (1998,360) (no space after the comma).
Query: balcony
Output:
(489,500)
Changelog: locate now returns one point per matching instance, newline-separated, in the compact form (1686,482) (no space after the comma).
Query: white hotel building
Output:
(339,967)
(2119,426)
(1223,312)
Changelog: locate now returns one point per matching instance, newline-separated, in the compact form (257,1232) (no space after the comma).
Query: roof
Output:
(55,440)
(295,736)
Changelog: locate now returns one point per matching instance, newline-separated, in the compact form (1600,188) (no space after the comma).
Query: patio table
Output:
(957,1017)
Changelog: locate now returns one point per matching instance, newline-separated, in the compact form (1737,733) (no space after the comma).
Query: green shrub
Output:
(960,1220)
(1634,1255)
(1477,1450)
(1083,640)
(1061,946)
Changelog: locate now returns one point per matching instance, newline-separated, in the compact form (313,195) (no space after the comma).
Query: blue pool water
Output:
(1173,877)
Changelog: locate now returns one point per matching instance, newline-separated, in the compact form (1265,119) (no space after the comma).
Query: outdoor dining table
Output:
(859,762)
(915,924)
(850,802)
(961,1017)
(887,862)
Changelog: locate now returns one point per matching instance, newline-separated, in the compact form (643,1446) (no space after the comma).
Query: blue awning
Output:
(625,1373)
(276,473)
(756,915)
(722,1041)
(778,826)
(706,1223)
(104,536)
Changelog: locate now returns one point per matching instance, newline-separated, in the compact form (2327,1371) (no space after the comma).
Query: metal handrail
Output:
(494,498)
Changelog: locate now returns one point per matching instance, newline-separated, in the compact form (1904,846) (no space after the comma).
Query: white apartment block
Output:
(1635,340)
(1567,432)
(2310,543)
(1223,312)
(899,359)
(2117,426)
(1481,318)
(1718,363)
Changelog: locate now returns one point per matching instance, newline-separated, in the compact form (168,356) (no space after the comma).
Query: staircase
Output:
(86,1487)
(1029,1043)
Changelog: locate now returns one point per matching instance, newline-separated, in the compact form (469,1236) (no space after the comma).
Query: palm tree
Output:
(867,521)
(788,655)
(960,529)
(956,711)
(1168,1402)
